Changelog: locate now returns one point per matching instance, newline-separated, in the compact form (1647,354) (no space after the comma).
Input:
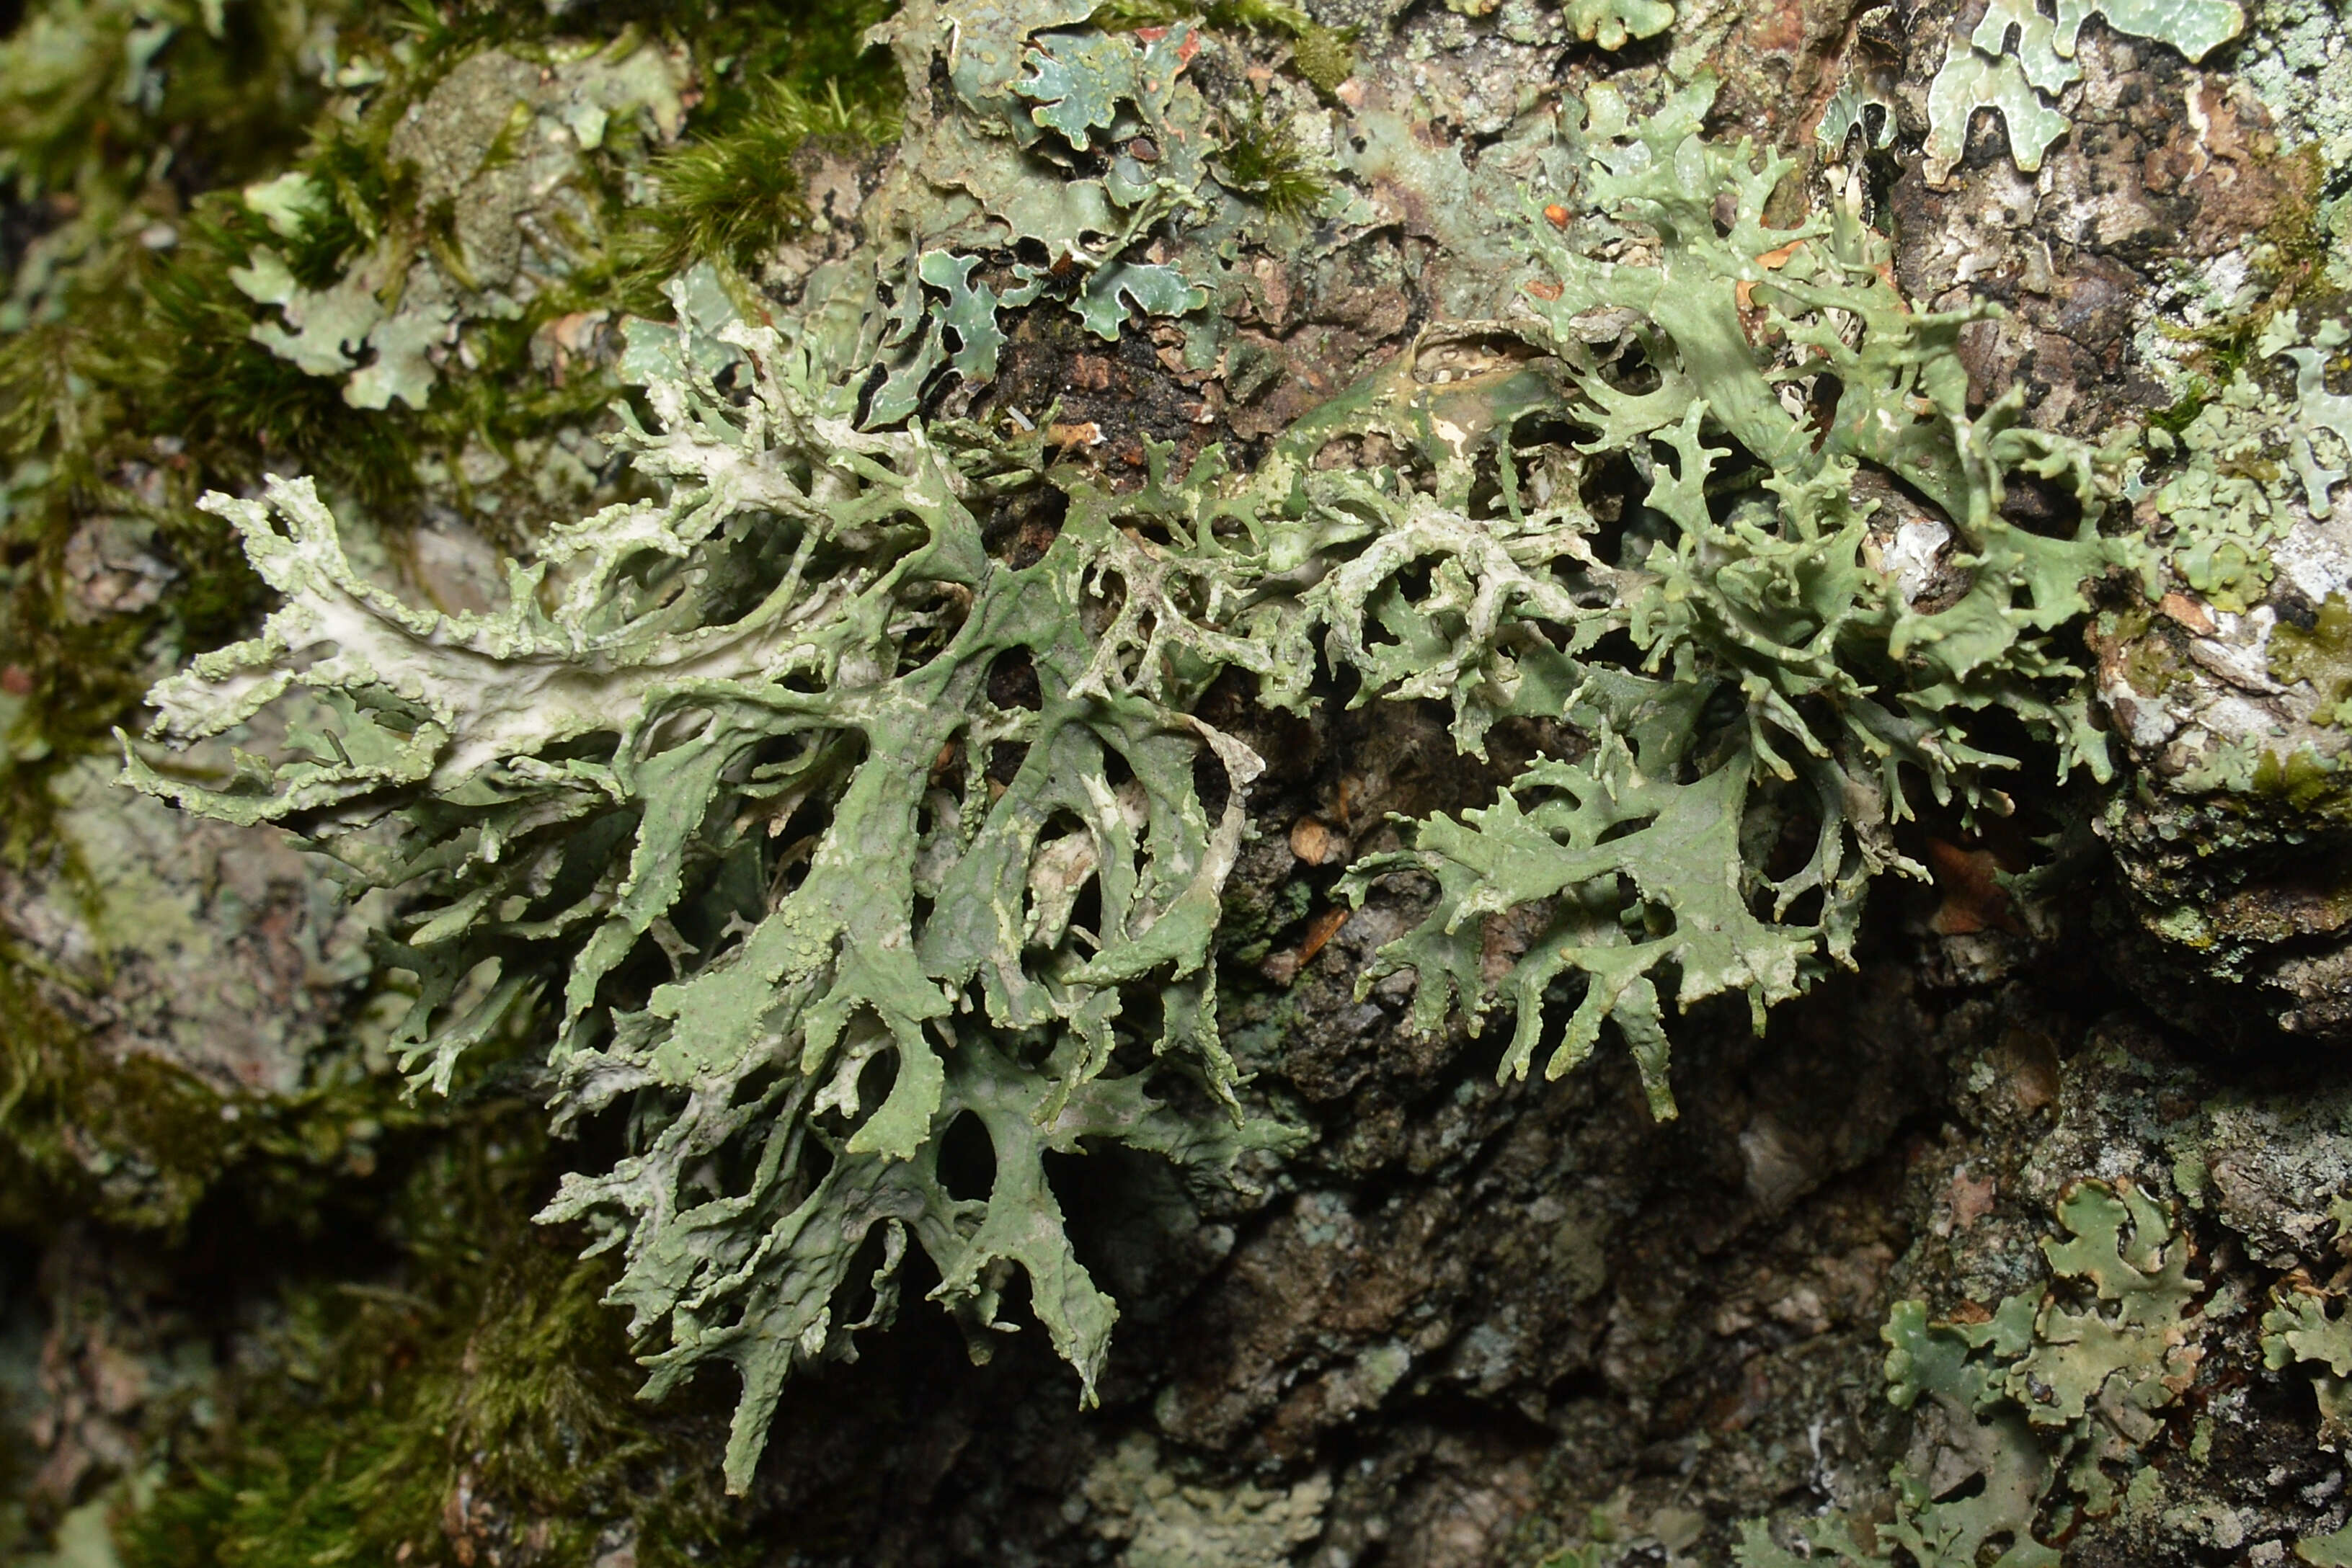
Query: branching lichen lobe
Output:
(739,781)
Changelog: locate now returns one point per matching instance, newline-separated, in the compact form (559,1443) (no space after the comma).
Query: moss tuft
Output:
(355,193)
(129,377)
(1256,15)
(732,196)
(1264,163)
(474,1405)
(1325,57)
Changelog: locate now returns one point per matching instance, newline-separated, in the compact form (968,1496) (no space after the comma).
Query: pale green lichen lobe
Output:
(2047,1400)
(2020,58)
(821,831)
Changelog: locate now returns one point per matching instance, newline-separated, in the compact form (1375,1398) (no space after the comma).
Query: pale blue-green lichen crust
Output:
(731,783)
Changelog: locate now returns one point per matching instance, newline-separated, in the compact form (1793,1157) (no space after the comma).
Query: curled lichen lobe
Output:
(821,831)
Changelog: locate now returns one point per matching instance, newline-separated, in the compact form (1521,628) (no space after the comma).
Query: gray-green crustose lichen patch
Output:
(822,829)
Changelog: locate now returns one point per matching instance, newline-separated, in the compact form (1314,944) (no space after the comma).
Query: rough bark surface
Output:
(1472,1323)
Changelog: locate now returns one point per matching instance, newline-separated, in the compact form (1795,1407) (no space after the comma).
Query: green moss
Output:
(89,88)
(129,376)
(1257,15)
(2153,665)
(35,1040)
(731,195)
(68,680)
(2220,350)
(193,365)
(147,387)
(88,376)
(1324,56)
(2294,241)
(137,1142)
(353,194)
(475,1405)
(816,47)
(2183,411)
(1264,163)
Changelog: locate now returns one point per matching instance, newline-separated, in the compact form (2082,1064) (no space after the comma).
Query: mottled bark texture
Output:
(1470,1323)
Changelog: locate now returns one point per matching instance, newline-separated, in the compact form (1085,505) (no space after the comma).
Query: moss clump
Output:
(1324,56)
(1255,15)
(131,379)
(94,405)
(89,89)
(138,1142)
(1264,163)
(473,1404)
(2153,661)
(731,195)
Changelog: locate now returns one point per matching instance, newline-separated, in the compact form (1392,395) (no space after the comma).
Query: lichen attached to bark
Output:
(831,836)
